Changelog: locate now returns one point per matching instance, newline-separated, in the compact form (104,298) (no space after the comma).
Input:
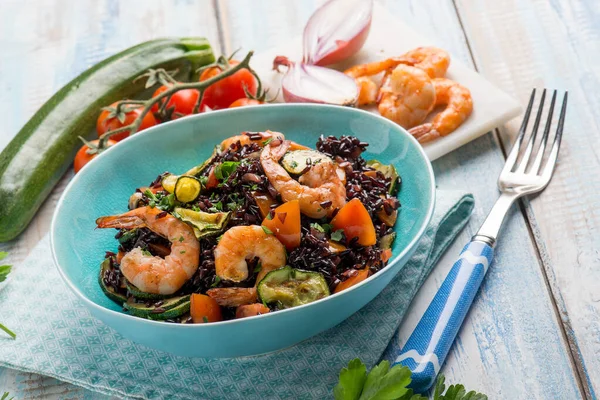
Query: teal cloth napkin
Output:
(57,336)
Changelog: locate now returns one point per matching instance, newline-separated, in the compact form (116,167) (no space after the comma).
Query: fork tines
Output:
(519,159)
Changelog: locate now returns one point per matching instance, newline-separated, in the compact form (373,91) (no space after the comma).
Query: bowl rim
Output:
(224,112)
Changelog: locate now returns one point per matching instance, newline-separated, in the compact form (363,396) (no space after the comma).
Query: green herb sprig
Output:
(4,271)
(385,383)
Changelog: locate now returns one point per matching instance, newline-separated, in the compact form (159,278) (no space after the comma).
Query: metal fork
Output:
(428,345)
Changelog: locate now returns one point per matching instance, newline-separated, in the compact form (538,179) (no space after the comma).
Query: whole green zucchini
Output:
(43,150)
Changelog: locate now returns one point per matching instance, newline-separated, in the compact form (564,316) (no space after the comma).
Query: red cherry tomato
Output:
(183,101)
(246,102)
(224,92)
(107,122)
(82,157)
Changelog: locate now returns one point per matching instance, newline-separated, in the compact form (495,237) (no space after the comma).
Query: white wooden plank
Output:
(519,45)
(503,324)
(47,43)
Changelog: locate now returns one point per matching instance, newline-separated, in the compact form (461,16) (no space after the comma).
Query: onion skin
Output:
(347,49)
(336,31)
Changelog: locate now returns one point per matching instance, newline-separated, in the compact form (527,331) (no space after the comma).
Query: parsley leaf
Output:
(205,319)
(216,282)
(384,382)
(4,270)
(318,227)
(267,230)
(338,235)
(5,396)
(352,380)
(455,392)
(226,168)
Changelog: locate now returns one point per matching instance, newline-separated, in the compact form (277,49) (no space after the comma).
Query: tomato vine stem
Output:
(174,87)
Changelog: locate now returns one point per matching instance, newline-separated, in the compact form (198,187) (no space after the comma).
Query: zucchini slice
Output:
(170,308)
(109,291)
(386,241)
(204,224)
(168,182)
(197,170)
(289,287)
(138,294)
(296,161)
(389,171)
(187,188)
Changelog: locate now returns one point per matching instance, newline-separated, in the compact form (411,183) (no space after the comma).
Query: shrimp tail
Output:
(120,221)
(425,133)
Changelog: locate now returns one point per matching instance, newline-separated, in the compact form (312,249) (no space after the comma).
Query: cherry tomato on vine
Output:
(224,92)
(82,157)
(246,102)
(108,121)
(183,101)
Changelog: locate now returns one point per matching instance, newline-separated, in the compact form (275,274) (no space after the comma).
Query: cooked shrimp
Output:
(238,245)
(367,88)
(320,191)
(432,60)
(258,138)
(459,105)
(372,68)
(242,243)
(251,137)
(407,96)
(153,274)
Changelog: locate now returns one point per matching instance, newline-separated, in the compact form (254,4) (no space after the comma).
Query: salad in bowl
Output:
(264,224)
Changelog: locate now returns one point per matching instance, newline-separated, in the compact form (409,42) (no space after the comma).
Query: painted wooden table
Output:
(534,329)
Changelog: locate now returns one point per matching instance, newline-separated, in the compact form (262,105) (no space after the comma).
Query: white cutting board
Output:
(390,37)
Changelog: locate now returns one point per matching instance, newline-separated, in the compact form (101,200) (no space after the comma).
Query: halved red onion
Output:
(303,83)
(336,31)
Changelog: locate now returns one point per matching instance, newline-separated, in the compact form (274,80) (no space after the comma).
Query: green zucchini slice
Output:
(169,308)
(168,182)
(296,161)
(109,291)
(289,287)
(386,241)
(138,294)
(389,171)
(204,224)
(197,170)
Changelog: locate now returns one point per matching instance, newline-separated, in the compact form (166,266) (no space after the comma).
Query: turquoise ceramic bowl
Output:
(104,186)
